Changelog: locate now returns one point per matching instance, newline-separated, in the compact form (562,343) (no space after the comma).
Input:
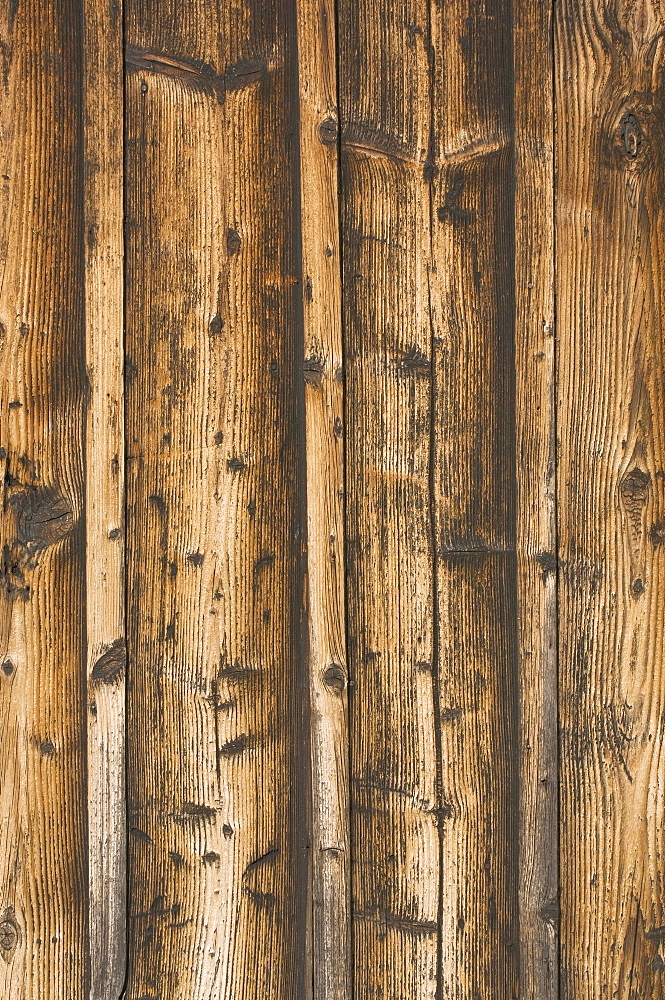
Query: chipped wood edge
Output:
(104,509)
(324,387)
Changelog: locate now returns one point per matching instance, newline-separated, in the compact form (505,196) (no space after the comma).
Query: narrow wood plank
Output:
(385,117)
(43,849)
(217,756)
(473,315)
(611,475)
(324,383)
(104,510)
(536,499)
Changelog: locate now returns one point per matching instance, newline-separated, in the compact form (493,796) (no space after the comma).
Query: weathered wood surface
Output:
(535,530)
(323,375)
(103,145)
(43,852)
(331,419)
(611,475)
(394,771)
(217,756)
(474,487)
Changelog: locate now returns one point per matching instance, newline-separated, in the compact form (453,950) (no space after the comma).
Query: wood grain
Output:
(217,754)
(331,568)
(324,385)
(395,766)
(104,497)
(43,850)
(535,423)
(611,461)
(474,481)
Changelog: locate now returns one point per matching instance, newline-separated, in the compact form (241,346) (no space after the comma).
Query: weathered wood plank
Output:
(43,849)
(216,751)
(536,499)
(104,511)
(474,478)
(610,153)
(324,384)
(385,119)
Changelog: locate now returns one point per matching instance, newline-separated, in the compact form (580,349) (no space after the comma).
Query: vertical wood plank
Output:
(324,383)
(43,850)
(216,749)
(611,461)
(385,118)
(473,315)
(104,512)
(536,499)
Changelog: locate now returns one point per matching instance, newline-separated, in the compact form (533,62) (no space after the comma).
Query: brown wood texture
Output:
(536,522)
(103,145)
(611,459)
(217,756)
(331,420)
(394,766)
(474,492)
(43,902)
(323,374)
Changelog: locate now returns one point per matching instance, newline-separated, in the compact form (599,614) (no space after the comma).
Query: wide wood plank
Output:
(395,763)
(611,490)
(474,480)
(217,756)
(535,419)
(105,500)
(43,849)
(324,387)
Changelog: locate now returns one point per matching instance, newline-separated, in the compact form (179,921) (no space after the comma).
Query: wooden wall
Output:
(332,424)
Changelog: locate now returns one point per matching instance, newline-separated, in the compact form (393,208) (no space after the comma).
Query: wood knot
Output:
(216,325)
(43,518)
(657,534)
(631,135)
(414,362)
(334,677)
(233,242)
(235,747)
(110,666)
(328,131)
(9,933)
(313,371)
(634,490)
(548,564)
